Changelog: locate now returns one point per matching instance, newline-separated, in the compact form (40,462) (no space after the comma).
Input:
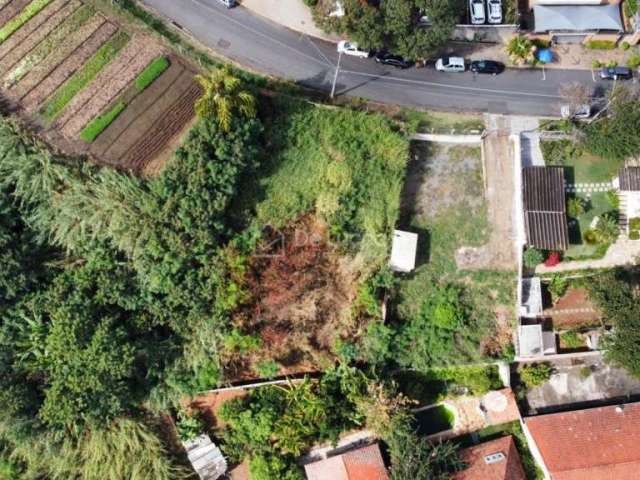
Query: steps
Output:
(623,221)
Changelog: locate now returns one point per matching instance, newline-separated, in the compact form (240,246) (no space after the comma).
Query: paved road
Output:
(272,49)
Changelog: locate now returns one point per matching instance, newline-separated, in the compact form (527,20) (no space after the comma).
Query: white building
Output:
(403,251)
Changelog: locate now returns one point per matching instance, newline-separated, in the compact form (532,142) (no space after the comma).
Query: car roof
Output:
(454,60)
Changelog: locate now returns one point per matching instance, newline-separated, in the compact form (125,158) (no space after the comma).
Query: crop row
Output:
(18,21)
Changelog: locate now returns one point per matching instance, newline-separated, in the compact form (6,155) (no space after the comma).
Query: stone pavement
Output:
(624,252)
(588,187)
(293,14)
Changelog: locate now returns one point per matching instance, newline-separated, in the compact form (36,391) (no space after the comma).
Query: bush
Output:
(557,287)
(576,206)
(596,64)
(614,199)
(601,44)
(533,257)
(535,374)
(634,235)
(625,46)
(268,369)
(634,223)
(310,3)
(100,123)
(571,340)
(153,71)
(634,61)
(521,50)
(585,372)
(189,425)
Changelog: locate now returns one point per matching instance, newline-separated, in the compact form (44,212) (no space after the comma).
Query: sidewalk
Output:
(293,14)
(624,252)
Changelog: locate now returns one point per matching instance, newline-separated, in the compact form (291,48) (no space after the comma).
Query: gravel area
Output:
(68,67)
(40,71)
(108,84)
(23,41)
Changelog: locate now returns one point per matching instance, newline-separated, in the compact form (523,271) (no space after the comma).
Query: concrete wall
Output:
(484,33)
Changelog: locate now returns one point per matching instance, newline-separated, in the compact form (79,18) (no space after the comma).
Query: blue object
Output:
(545,55)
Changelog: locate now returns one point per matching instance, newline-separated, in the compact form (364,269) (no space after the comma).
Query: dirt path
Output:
(498,253)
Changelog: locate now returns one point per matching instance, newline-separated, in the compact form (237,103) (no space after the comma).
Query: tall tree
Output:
(224,96)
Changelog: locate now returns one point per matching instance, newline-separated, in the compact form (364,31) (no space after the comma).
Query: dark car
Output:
(612,73)
(486,66)
(387,58)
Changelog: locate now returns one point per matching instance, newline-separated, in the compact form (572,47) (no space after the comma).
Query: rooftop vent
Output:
(620,409)
(494,458)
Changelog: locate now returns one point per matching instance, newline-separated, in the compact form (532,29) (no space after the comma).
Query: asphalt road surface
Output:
(269,48)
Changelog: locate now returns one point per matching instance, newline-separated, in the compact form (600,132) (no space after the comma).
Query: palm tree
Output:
(521,50)
(223,95)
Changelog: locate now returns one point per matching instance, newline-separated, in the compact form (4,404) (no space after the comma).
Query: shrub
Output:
(310,3)
(153,71)
(576,206)
(268,369)
(189,425)
(614,199)
(535,374)
(521,50)
(571,340)
(634,235)
(634,61)
(630,8)
(557,287)
(533,257)
(601,44)
(612,63)
(100,123)
(585,372)
(625,46)
(596,64)
(607,229)
(634,223)
(552,260)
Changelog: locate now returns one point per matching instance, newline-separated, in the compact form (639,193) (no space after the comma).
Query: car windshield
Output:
(445,61)
(482,64)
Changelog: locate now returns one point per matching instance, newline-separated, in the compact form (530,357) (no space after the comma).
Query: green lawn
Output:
(581,166)
(578,249)
(441,122)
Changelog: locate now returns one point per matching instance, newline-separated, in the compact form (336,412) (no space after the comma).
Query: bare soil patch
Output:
(11,10)
(32,100)
(24,47)
(573,309)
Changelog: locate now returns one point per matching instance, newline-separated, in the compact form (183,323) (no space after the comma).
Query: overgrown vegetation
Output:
(535,374)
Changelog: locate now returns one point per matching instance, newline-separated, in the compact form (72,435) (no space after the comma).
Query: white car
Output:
(581,112)
(494,8)
(228,3)
(476,7)
(450,64)
(349,48)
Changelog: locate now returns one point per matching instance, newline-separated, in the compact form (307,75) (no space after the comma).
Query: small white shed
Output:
(403,251)
(206,458)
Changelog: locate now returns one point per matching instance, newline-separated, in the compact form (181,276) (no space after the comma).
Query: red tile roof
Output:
(508,469)
(594,444)
(362,464)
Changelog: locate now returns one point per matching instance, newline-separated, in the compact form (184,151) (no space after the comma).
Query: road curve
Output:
(266,47)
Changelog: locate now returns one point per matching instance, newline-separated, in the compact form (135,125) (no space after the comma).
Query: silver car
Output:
(494,8)
(476,8)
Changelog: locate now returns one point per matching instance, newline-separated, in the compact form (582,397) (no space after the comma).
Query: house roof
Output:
(507,468)
(629,179)
(362,464)
(543,199)
(592,444)
(577,18)
(403,251)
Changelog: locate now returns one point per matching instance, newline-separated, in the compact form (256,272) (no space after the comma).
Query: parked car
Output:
(349,48)
(486,66)
(450,64)
(580,112)
(494,8)
(397,61)
(613,73)
(476,7)
(228,3)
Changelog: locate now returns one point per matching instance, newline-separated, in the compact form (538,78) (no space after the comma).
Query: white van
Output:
(450,64)
(228,3)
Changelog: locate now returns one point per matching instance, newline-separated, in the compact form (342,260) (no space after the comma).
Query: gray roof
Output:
(545,218)
(629,179)
(577,18)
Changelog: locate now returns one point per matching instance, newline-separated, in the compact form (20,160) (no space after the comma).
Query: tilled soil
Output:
(56,57)
(113,79)
(11,10)
(32,100)
(21,44)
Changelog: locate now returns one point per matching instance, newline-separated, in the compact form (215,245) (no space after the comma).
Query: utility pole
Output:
(335,77)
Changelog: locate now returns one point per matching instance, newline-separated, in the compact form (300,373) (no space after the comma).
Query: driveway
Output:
(272,49)
(580,383)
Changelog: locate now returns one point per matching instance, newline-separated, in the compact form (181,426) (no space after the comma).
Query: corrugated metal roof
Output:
(629,179)
(577,18)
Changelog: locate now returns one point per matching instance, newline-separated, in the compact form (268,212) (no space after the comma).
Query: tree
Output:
(607,229)
(224,97)
(576,94)
(535,374)
(520,50)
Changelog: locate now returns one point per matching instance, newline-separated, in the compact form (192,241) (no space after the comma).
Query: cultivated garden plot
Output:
(94,87)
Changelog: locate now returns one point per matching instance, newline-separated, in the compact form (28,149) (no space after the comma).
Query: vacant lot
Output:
(70,68)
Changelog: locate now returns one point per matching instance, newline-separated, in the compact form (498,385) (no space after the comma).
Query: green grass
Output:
(100,123)
(601,44)
(23,17)
(578,249)
(582,167)
(441,122)
(86,74)
(49,44)
(571,340)
(151,72)
(531,469)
